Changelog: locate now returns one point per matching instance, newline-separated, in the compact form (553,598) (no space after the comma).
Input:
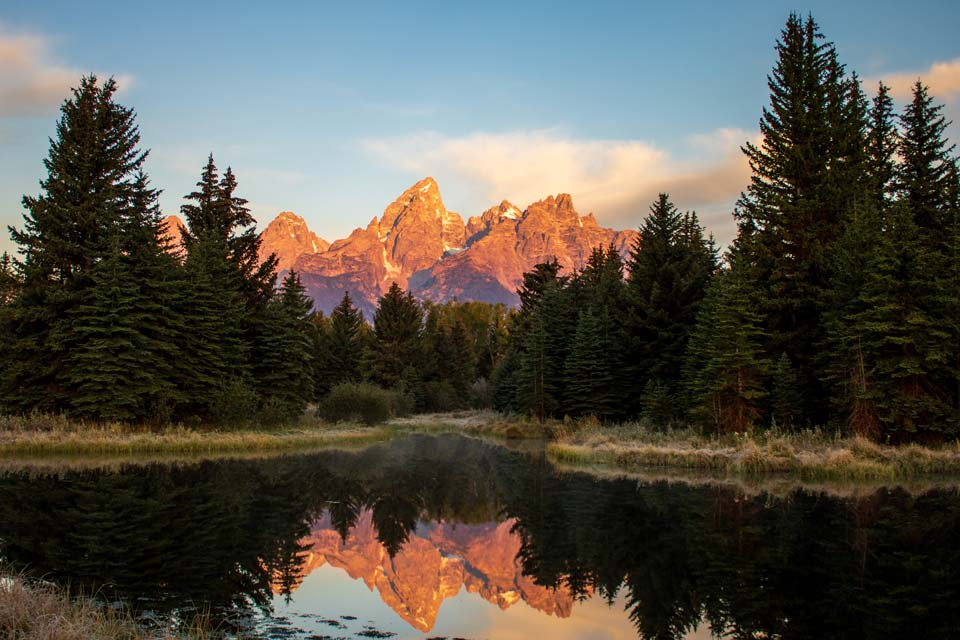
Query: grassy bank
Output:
(33,610)
(808,455)
(45,435)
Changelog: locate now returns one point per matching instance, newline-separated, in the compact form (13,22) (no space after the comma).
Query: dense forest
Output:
(837,305)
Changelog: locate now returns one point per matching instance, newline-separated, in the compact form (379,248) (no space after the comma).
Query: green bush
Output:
(233,404)
(362,402)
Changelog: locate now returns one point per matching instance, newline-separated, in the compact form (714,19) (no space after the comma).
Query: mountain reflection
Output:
(436,562)
(422,518)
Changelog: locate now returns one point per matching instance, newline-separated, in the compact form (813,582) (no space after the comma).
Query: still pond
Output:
(450,537)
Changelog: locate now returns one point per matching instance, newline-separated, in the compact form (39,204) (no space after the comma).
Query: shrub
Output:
(362,402)
(233,404)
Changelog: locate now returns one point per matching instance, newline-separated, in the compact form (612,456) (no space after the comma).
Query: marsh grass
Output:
(811,455)
(37,610)
(48,435)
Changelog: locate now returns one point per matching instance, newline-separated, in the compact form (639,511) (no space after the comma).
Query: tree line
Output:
(837,304)
(102,317)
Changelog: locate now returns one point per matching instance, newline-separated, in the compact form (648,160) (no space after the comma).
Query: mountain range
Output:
(436,562)
(429,250)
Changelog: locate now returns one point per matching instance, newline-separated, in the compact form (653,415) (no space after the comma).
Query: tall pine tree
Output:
(92,169)
(283,372)
(726,371)
(340,347)
(397,332)
(806,175)
(670,267)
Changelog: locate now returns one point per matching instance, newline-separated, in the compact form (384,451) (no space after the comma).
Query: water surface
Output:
(429,537)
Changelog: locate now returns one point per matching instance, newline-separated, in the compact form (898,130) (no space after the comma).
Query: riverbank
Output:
(809,455)
(806,456)
(34,610)
(42,436)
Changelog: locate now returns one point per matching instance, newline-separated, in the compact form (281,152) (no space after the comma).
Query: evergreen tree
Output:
(591,373)
(9,282)
(397,328)
(544,348)
(505,383)
(670,266)
(449,362)
(726,369)
(214,353)
(9,286)
(924,174)
(927,180)
(91,174)
(215,350)
(106,372)
(658,404)
(151,261)
(843,365)
(91,167)
(806,175)
(882,147)
(902,342)
(340,347)
(532,288)
(283,373)
(785,400)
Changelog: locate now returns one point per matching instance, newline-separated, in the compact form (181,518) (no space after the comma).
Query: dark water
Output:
(449,537)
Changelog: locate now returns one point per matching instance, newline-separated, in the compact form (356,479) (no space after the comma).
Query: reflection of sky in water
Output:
(330,593)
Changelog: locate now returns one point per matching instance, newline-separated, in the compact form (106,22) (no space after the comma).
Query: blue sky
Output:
(332,110)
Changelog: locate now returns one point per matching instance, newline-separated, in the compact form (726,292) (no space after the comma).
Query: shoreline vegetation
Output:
(38,610)
(584,444)
(45,435)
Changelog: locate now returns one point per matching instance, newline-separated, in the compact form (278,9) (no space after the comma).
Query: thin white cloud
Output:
(32,82)
(616,179)
(943,79)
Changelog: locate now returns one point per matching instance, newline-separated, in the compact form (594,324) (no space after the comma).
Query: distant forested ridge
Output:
(838,304)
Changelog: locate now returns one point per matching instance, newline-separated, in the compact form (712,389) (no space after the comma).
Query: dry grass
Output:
(44,435)
(33,610)
(810,455)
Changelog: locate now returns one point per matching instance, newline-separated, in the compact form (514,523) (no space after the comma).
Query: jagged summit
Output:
(288,237)
(426,248)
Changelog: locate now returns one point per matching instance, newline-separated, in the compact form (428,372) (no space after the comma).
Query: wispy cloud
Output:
(616,179)
(32,81)
(943,78)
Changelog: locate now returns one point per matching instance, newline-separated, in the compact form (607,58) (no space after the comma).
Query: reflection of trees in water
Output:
(159,537)
(228,534)
(808,565)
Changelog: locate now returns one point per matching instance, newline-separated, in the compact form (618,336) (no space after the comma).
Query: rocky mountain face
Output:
(435,563)
(505,242)
(173,231)
(428,249)
(289,238)
(414,232)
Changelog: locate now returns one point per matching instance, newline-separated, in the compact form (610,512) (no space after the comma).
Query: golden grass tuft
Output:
(33,610)
(38,436)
